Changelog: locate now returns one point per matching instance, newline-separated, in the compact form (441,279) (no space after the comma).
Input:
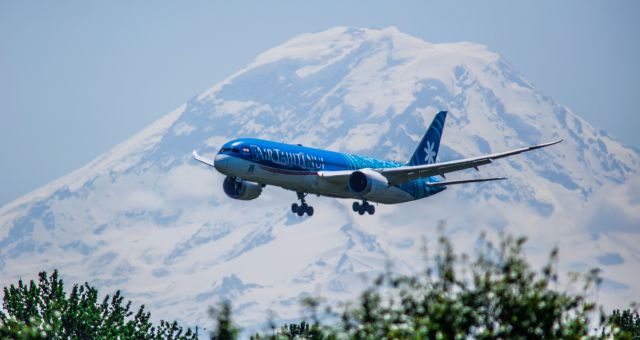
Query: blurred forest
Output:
(495,294)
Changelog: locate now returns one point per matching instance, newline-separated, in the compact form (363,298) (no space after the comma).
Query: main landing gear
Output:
(363,207)
(303,207)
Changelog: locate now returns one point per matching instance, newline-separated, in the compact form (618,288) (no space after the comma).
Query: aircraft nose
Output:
(221,162)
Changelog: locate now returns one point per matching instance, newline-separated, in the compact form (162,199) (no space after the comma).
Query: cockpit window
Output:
(234,150)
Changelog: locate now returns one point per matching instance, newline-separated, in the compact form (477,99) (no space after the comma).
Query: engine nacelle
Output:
(367,183)
(241,190)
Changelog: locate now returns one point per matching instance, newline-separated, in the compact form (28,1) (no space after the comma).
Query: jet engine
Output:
(367,183)
(241,190)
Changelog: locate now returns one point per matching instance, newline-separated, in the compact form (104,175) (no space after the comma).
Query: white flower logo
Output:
(429,153)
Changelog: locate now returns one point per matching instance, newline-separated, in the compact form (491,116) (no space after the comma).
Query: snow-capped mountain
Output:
(147,219)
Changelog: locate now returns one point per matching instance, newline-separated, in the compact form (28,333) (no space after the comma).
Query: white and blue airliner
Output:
(251,164)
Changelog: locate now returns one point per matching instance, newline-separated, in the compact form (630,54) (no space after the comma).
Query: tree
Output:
(224,329)
(625,324)
(497,295)
(302,330)
(42,310)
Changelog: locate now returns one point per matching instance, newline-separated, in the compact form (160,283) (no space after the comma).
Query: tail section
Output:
(428,149)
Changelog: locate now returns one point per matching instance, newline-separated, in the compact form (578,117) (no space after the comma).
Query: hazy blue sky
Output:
(78,77)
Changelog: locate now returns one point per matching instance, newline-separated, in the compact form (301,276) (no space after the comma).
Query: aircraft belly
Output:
(393,195)
(308,182)
(291,180)
(302,183)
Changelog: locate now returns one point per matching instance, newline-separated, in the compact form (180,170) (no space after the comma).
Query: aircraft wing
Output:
(408,173)
(445,183)
(201,159)
(336,177)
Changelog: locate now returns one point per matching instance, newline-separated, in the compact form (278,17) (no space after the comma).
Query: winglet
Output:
(525,149)
(544,145)
(548,143)
(201,159)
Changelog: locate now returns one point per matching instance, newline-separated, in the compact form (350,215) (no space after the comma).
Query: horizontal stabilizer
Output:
(199,158)
(445,183)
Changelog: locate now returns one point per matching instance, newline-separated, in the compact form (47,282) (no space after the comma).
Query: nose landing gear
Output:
(364,207)
(303,207)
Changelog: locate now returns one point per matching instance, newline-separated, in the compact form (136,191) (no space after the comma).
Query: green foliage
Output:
(225,329)
(497,295)
(302,330)
(11,328)
(625,324)
(501,297)
(42,310)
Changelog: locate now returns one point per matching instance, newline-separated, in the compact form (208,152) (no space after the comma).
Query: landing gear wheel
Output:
(364,207)
(303,207)
(371,209)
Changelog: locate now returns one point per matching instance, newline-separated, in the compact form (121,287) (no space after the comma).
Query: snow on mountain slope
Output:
(147,219)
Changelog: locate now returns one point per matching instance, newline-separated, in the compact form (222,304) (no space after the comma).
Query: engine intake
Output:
(367,183)
(241,190)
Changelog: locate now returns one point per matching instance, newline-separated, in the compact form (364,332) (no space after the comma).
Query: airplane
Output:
(251,164)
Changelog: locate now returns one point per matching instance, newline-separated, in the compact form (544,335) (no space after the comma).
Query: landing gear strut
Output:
(363,207)
(303,207)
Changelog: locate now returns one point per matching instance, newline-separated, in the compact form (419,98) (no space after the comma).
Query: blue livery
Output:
(250,164)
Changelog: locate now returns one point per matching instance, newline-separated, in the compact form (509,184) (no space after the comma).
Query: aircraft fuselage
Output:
(250,164)
(295,167)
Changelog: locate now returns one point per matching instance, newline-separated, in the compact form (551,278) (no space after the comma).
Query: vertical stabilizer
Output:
(427,150)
